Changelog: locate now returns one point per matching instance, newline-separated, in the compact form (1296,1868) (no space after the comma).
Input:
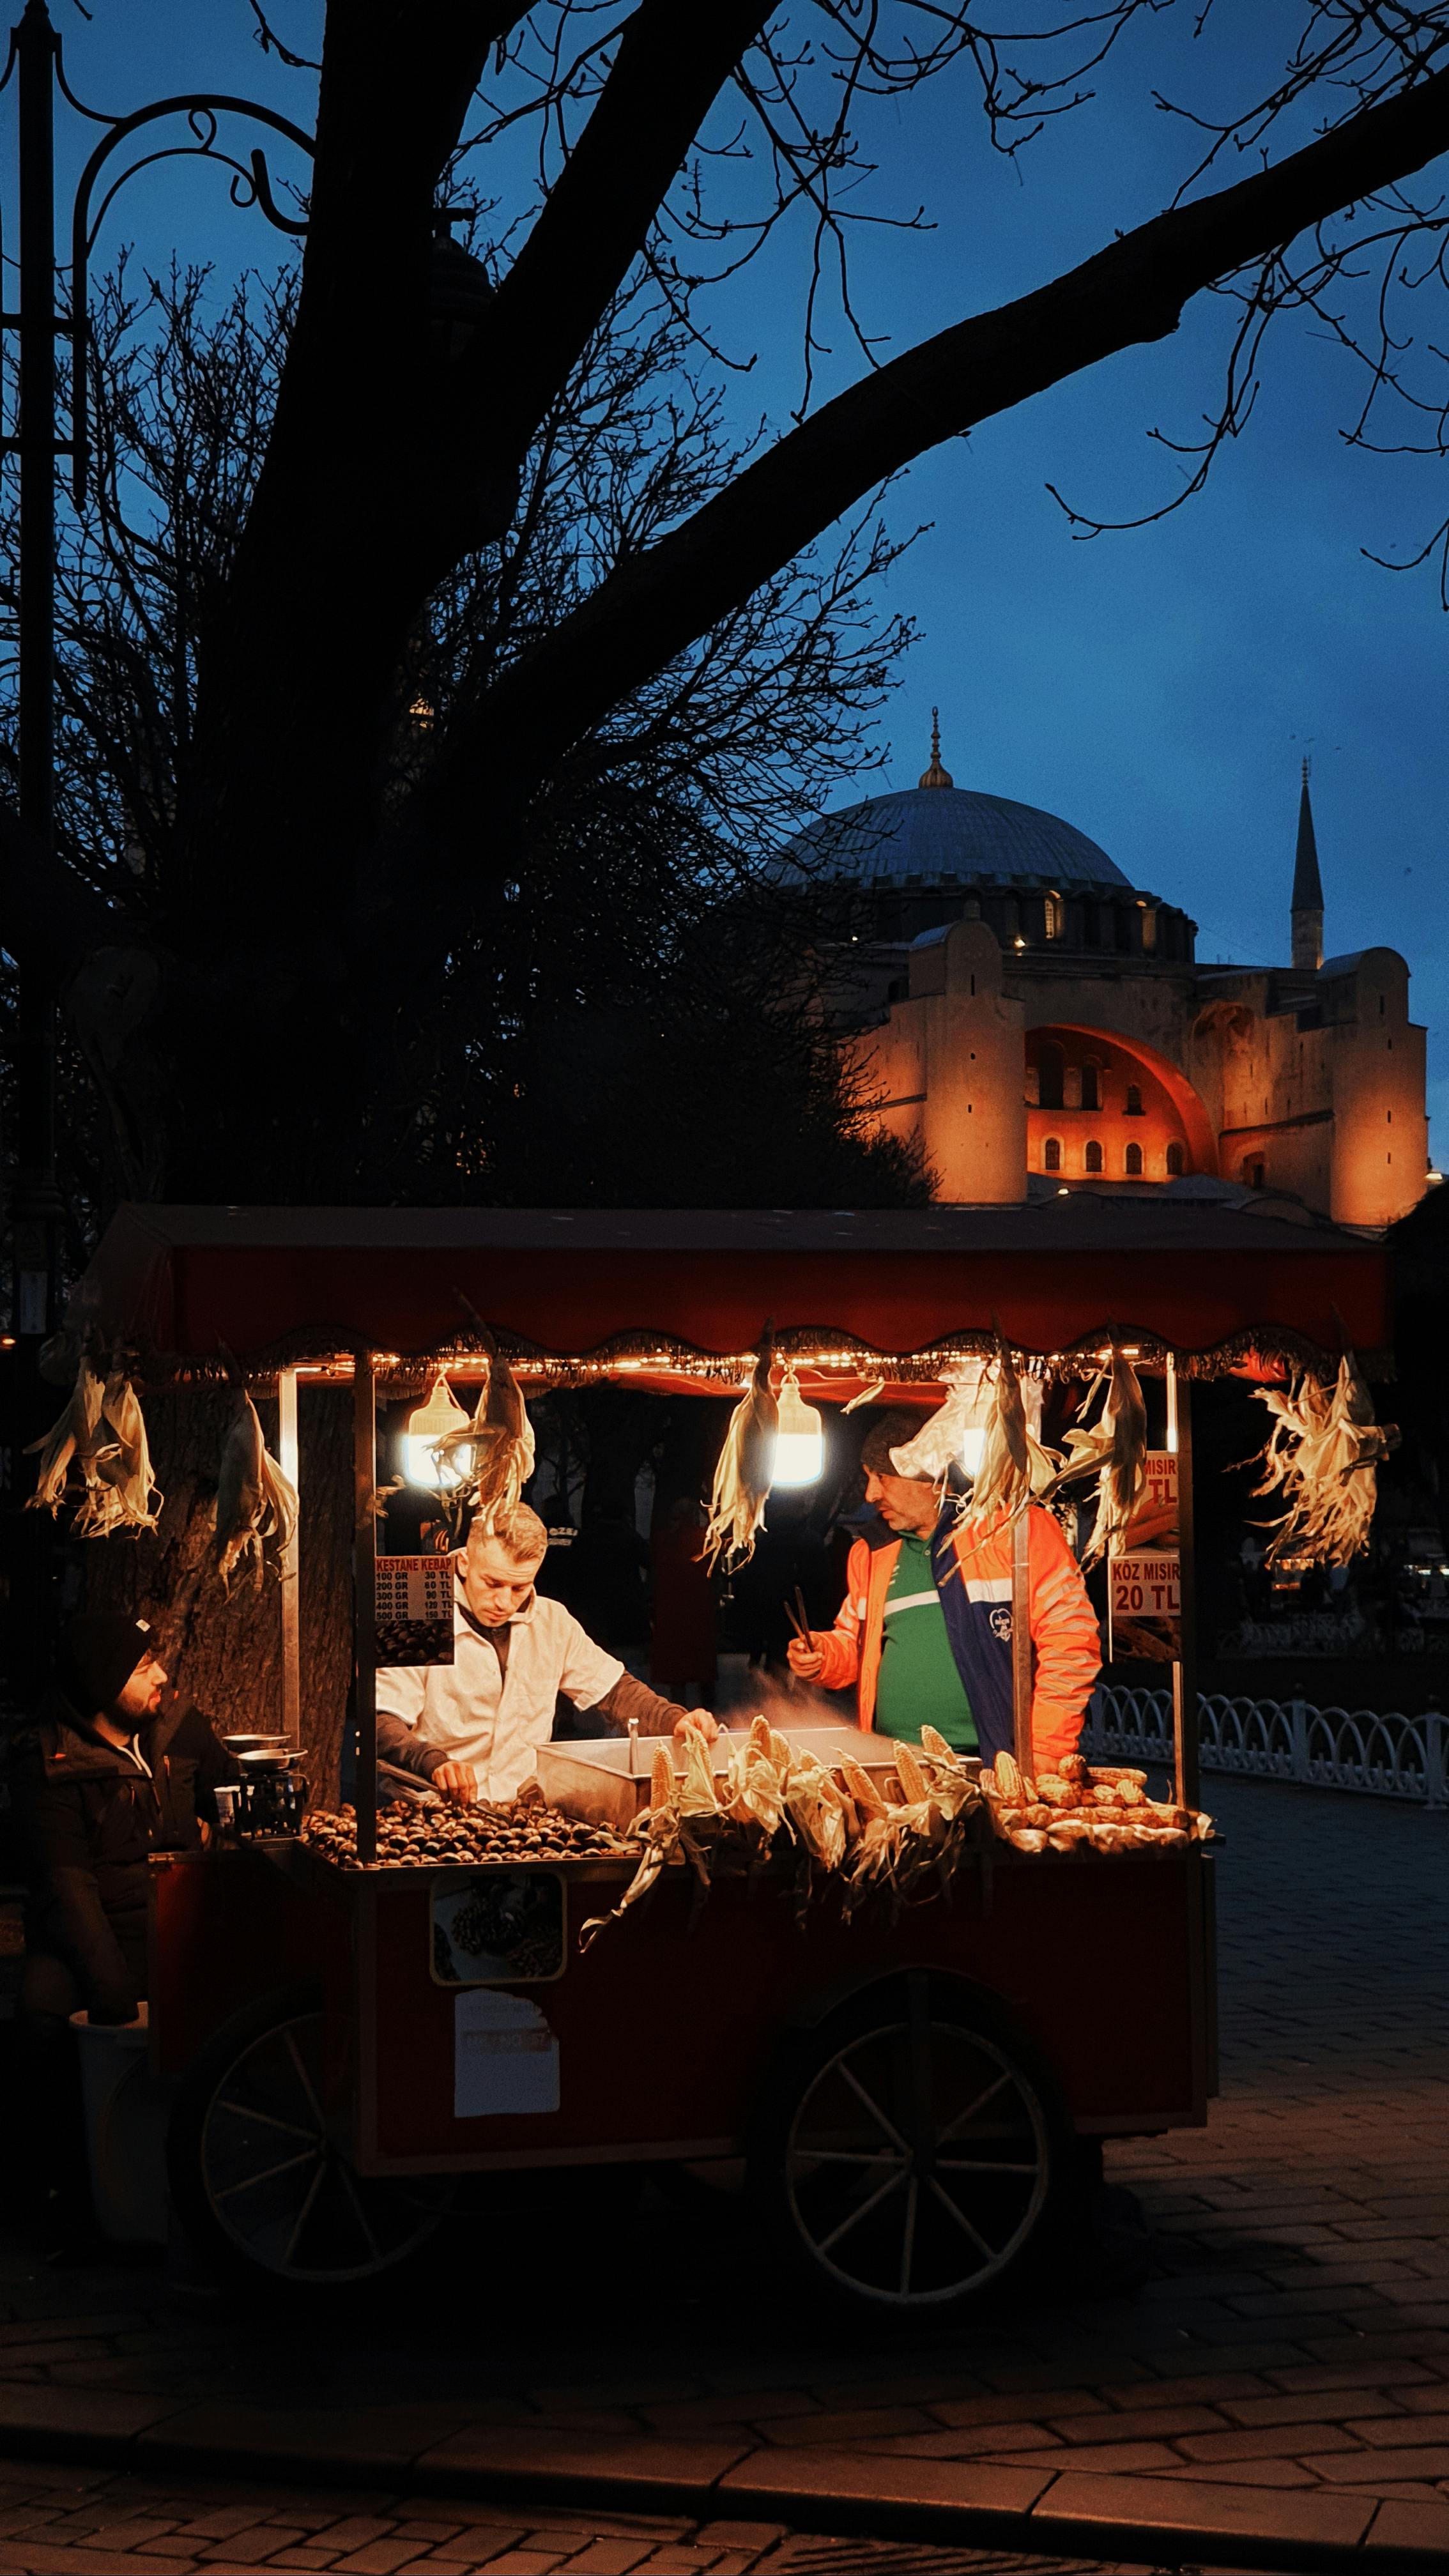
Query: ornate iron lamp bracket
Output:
(250,185)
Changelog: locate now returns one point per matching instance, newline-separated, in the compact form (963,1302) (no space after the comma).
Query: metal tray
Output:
(306,1866)
(605,1780)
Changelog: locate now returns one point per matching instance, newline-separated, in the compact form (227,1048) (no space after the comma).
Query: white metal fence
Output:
(1270,1739)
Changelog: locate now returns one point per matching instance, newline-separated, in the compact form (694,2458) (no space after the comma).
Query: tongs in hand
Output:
(799,1619)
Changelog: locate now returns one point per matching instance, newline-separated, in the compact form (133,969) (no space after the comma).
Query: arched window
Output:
(1056,917)
(1094,1156)
(1049,1069)
(1052,1154)
(1134,1163)
(1091,1085)
(1134,1100)
(1176,1162)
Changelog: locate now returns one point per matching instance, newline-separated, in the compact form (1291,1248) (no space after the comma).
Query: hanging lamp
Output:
(426,1426)
(799,1437)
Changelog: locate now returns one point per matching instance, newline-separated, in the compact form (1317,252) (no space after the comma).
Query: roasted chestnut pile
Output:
(425,1831)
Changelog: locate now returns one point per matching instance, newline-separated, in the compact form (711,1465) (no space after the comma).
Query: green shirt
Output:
(919,1684)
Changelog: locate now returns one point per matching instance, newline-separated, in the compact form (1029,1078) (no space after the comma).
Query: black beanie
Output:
(102,1650)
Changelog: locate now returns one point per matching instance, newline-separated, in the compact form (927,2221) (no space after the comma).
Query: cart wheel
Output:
(912,2151)
(259,2182)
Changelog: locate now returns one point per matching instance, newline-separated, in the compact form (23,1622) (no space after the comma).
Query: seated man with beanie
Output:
(924,1631)
(102,1778)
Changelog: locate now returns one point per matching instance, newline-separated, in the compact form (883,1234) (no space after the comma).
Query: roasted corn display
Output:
(899,1836)
(1076,1808)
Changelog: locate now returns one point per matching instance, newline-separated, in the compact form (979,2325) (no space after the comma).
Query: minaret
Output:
(935,776)
(1307,907)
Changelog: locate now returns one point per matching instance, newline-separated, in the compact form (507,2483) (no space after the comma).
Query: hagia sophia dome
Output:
(1031,1020)
(955,833)
(922,856)
(940,834)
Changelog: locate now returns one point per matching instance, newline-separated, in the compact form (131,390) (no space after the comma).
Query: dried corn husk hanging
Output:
(865,1395)
(124,1494)
(256,1506)
(1114,1450)
(1323,1455)
(70,1443)
(495,1449)
(938,1445)
(742,1477)
(100,1437)
(1014,1465)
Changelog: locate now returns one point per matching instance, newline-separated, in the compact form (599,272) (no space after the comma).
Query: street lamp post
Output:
(37,65)
(37,1208)
(459,294)
(37,439)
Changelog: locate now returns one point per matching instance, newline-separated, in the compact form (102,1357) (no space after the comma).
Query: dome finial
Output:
(935,776)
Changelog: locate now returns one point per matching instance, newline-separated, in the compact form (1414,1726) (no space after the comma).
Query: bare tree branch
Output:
(667,71)
(1133,291)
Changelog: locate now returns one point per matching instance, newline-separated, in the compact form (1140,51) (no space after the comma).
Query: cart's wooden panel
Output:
(225,1928)
(665,2027)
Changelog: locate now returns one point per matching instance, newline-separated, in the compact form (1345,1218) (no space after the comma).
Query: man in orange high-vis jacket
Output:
(924,1630)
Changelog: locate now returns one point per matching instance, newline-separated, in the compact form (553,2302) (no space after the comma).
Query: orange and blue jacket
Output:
(973,1580)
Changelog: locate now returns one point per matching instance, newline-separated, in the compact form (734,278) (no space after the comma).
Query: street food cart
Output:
(916,2090)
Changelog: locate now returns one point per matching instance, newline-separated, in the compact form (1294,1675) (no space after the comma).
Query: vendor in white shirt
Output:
(472,1728)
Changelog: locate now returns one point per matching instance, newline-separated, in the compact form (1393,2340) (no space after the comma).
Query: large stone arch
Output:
(1172,1112)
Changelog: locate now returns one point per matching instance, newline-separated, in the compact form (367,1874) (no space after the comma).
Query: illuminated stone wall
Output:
(948,1067)
(1017,1061)
(1103,1109)
(1317,1084)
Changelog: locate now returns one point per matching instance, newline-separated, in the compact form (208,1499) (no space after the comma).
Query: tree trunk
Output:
(226,1654)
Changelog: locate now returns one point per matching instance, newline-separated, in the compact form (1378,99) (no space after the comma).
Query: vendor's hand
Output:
(204,1829)
(701,1721)
(456,1780)
(805,1660)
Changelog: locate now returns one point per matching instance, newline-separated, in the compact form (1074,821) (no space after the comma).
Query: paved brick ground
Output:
(1293,2341)
(77,2522)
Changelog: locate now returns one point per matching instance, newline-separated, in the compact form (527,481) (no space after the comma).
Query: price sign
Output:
(414,1610)
(498,1927)
(1144,1594)
(1154,1520)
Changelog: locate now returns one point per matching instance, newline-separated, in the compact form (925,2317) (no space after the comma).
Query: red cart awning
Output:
(1208,1280)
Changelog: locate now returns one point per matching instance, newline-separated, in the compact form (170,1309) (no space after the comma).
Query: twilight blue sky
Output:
(1157,688)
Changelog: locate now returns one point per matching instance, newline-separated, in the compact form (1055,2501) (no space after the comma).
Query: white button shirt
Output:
(497,1724)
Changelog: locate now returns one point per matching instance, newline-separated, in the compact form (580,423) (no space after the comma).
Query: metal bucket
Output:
(126,2113)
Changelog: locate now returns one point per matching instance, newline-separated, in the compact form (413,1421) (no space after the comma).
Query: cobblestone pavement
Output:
(1292,2342)
(68,2522)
